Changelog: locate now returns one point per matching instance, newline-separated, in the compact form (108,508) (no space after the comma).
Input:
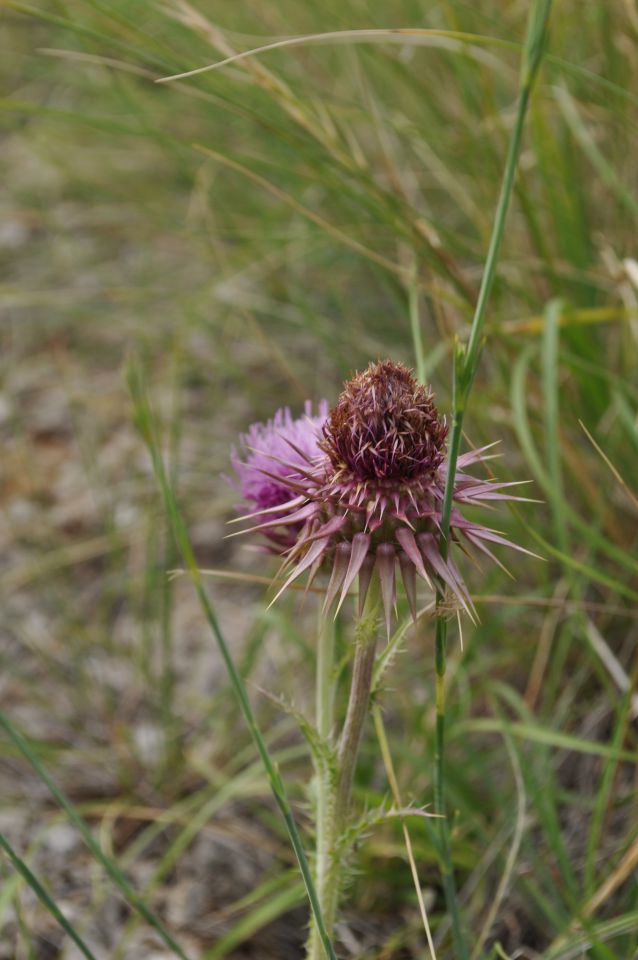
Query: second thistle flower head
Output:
(369,497)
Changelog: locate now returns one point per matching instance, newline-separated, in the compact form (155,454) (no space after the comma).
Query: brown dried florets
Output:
(385,426)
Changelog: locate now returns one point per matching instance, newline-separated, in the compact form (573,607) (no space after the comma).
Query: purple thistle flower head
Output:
(272,455)
(361,491)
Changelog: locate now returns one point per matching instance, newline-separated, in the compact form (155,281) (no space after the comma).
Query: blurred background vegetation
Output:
(256,233)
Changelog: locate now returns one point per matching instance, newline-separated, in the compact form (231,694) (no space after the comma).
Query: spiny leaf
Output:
(322,750)
(374,818)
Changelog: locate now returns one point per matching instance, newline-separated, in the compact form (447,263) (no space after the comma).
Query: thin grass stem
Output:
(42,895)
(415,326)
(466,365)
(384,746)
(440,807)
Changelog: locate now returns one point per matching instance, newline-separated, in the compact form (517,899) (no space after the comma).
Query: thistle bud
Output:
(385,427)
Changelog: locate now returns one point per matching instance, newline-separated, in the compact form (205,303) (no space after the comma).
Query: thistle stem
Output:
(359,702)
(324,775)
(325,678)
(335,793)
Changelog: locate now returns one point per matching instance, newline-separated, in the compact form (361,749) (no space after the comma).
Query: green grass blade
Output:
(80,29)
(44,897)
(83,828)
(552,738)
(468,361)
(551,350)
(602,166)
(597,824)
(586,529)
(270,909)
(465,371)
(415,326)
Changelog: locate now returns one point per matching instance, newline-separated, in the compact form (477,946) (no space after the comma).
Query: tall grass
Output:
(256,232)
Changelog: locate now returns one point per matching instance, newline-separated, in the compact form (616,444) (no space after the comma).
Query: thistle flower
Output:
(271,454)
(368,494)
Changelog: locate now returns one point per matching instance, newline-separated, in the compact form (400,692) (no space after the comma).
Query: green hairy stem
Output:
(334,787)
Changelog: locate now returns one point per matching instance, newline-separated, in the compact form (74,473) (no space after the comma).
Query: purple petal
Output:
(339,567)
(476,542)
(474,456)
(303,454)
(385,565)
(295,468)
(278,507)
(454,570)
(409,544)
(430,550)
(485,534)
(275,456)
(295,517)
(316,550)
(313,573)
(372,506)
(291,482)
(365,576)
(479,491)
(360,547)
(409,581)
(327,530)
